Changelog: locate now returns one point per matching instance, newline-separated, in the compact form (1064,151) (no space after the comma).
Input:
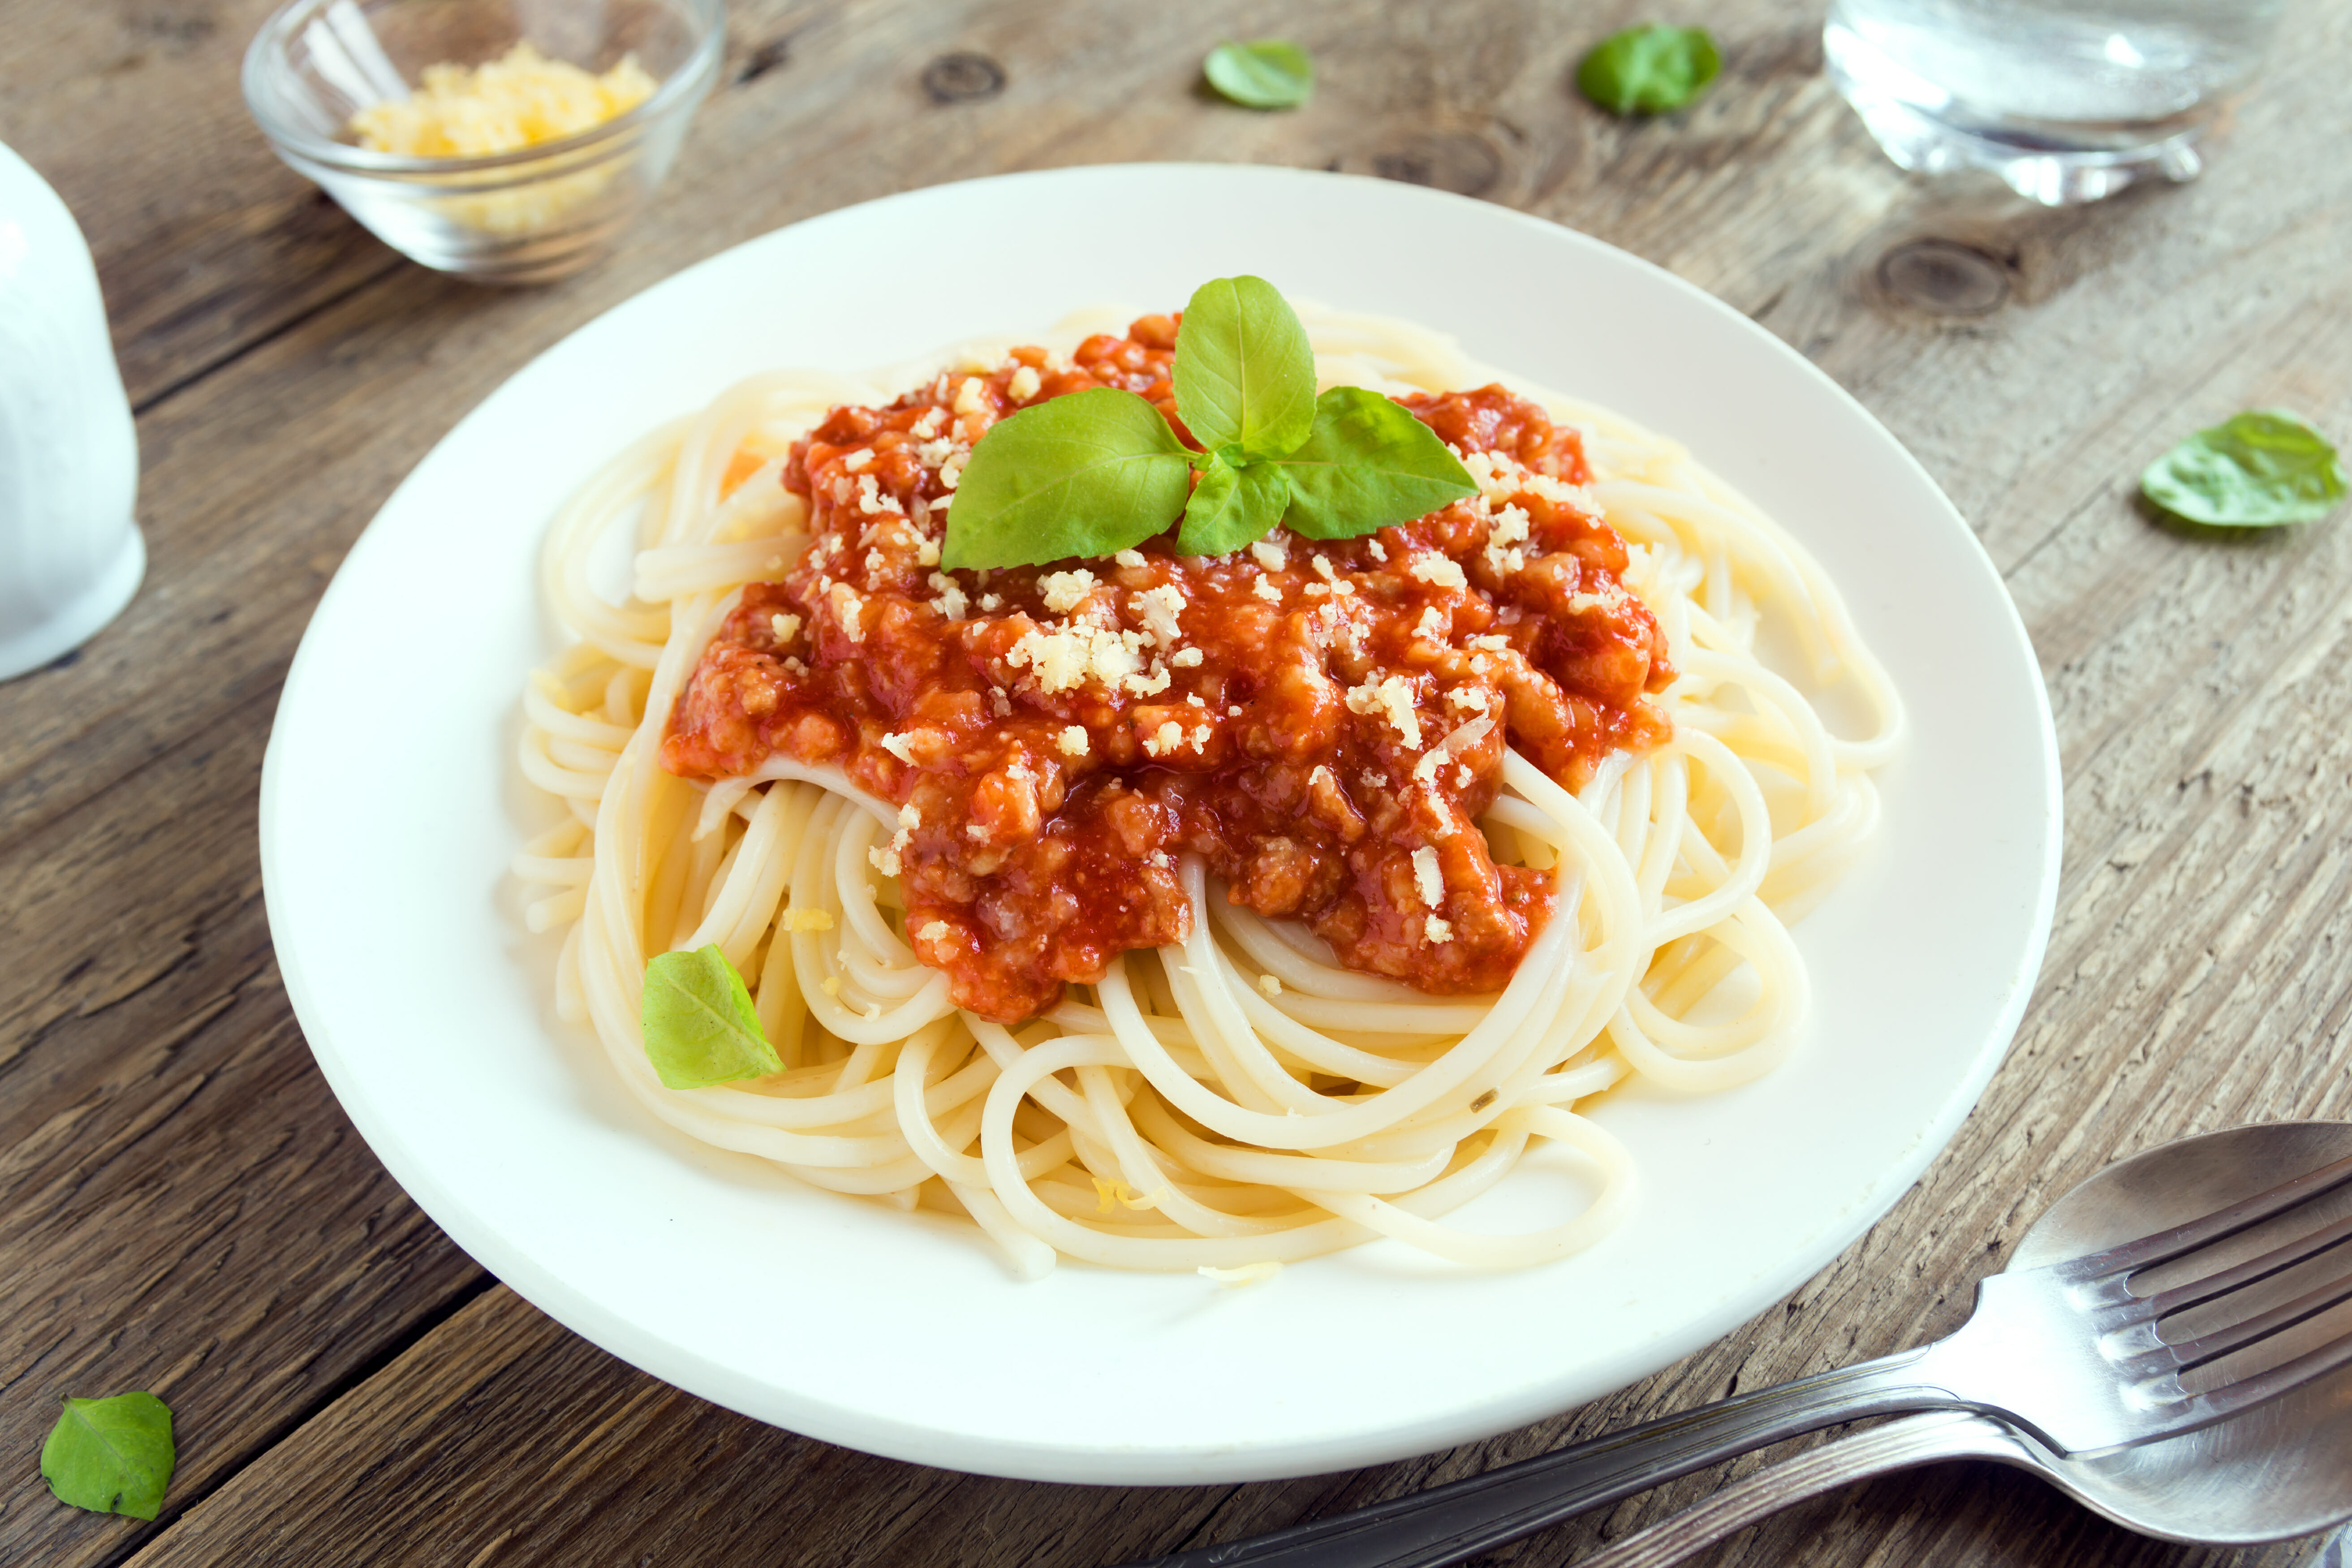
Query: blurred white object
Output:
(2068,101)
(71,552)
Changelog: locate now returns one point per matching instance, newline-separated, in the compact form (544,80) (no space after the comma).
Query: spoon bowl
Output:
(2281,1469)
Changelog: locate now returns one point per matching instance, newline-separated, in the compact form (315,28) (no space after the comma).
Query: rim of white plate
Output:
(1090,1376)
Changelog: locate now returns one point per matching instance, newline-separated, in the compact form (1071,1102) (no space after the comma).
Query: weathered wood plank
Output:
(186,1207)
(638,1472)
(206,242)
(187,1210)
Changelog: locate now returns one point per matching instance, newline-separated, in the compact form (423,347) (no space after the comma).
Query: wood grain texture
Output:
(183,1206)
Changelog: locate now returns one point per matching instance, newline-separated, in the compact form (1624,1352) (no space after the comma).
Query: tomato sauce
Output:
(1322,721)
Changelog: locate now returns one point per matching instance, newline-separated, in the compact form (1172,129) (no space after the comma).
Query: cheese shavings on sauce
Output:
(518,101)
(1323,722)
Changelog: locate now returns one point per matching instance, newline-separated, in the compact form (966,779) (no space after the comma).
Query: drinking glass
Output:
(2068,101)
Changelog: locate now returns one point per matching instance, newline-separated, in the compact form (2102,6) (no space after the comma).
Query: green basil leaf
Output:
(111,1456)
(1266,74)
(1368,464)
(1245,370)
(1086,474)
(699,1023)
(1231,506)
(1649,71)
(2257,470)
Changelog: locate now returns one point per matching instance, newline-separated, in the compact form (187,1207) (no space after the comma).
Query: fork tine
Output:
(2166,1244)
(2164,1303)
(2221,1404)
(2261,1326)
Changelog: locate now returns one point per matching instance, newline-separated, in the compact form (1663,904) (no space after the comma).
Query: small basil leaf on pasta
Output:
(2258,469)
(111,1456)
(1231,506)
(1649,71)
(1086,474)
(1368,464)
(699,1023)
(1245,372)
(1267,73)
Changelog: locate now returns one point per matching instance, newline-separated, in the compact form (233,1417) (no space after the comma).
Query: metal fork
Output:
(2066,1353)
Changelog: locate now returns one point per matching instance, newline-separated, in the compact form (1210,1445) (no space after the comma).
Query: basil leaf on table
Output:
(1231,506)
(1245,370)
(1368,464)
(111,1456)
(1649,71)
(1088,474)
(2259,469)
(1268,73)
(699,1023)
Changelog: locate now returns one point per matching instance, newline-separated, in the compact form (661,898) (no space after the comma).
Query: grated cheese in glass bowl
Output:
(497,141)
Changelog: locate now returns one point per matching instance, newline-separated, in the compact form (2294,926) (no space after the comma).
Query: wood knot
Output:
(768,56)
(962,77)
(1458,161)
(1944,278)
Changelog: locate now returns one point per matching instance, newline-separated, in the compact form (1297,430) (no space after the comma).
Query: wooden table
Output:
(187,1210)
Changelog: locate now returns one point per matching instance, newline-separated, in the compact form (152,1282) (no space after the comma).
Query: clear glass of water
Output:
(2068,101)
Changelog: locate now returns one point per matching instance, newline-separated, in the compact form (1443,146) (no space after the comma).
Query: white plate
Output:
(389,809)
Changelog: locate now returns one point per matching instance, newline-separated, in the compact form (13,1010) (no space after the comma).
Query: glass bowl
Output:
(524,216)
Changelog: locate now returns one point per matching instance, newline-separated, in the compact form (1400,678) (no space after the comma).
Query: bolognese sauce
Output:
(1322,721)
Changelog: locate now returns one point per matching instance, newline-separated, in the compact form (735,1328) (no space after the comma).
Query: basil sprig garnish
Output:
(2258,469)
(111,1456)
(699,1025)
(1649,71)
(1090,473)
(1096,472)
(1268,73)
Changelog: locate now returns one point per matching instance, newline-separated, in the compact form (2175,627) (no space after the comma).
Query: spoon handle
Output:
(1899,1444)
(1477,1514)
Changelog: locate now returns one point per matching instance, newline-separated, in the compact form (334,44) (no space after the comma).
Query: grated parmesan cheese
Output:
(1391,698)
(1065,658)
(1159,609)
(952,601)
(1023,384)
(1451,748)
(520,99)
(1427,880)
(1437,931)
(1073,741)
(1438,571)
(1065,591)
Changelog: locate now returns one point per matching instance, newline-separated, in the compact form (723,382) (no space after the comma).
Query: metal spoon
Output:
(2282,1470)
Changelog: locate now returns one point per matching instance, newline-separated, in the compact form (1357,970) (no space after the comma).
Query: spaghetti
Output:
(1245,1092)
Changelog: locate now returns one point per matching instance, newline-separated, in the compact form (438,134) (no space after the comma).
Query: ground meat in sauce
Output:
(1322,722)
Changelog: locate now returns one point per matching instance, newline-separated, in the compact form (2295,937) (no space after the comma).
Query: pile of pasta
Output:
(1186,1113)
